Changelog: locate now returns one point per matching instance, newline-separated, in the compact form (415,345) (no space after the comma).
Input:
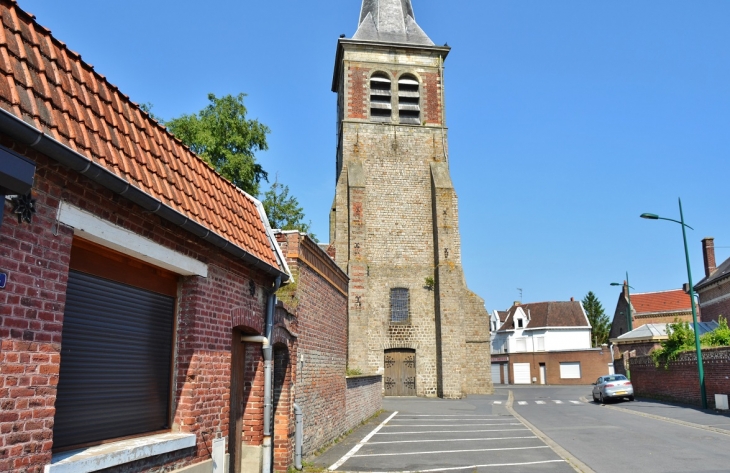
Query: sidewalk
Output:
(678,412)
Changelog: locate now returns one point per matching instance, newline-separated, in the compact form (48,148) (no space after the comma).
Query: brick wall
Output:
(715,301)
(593,363)
(318,299)
(680,383)
(364,398)
(32,306)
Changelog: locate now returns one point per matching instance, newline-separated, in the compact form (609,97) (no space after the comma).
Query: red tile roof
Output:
(664,301)
(47,85)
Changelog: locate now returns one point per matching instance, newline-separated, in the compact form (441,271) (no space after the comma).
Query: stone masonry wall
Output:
(36,257)
(680,383)
(364,398)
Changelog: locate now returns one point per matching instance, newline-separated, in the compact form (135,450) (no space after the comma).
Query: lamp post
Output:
(698,349)
(630,322)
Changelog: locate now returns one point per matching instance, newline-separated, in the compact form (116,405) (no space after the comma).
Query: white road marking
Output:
(498,402)
(405,416)
(362,442)
(451,431)
(522,403)
(473,467)
(449,425)
(558,402)
(450,440)
(539,402)
(447,451)
(575,402)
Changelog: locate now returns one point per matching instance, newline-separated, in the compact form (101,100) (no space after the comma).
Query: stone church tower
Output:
(394,221)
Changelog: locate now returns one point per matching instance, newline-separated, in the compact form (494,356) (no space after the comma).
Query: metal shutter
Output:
(496,371)
(116,350)
(570,370)
(522,373)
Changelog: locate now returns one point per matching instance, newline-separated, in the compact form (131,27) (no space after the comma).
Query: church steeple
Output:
(390,21)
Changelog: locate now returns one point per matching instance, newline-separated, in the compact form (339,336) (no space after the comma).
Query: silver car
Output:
(612,386)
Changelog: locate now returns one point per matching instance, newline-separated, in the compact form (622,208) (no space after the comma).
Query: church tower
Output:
(394,221)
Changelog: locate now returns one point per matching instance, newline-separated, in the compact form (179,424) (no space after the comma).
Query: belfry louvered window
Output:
(399,305)
(380,97)
(409,98)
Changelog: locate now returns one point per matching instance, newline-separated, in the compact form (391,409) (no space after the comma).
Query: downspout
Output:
(298,437)
(268,376)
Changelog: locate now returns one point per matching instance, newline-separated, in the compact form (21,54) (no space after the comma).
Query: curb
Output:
(577,465)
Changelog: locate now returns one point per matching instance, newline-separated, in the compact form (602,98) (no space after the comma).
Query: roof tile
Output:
(663,301)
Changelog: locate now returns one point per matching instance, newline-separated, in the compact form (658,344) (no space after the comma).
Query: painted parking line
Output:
(405,416)
(452,431)
(558,402)
(474,467)
(522,403)
(497,402)
(450,425)
(450,440)
(441,452)
(539,402)
(362,442)
(575,402)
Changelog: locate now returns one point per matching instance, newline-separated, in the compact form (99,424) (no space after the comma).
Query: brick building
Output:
(714,288)
(136,284)
(394,220)
(546,343)
(331,403)
(649,308)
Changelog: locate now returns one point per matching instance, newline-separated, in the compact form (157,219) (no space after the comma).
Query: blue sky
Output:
(567,119)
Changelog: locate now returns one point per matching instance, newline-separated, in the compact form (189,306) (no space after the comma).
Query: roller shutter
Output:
(522,373)
(496,371)
(116,351)
(570,370)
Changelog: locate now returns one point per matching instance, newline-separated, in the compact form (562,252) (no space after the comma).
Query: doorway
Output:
(543,373)
(400,372)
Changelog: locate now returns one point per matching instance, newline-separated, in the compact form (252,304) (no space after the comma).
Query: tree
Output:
(597,317)
(283,210)
(147,107)
(223,136)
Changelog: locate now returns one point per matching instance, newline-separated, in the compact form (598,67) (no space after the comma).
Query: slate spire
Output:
(390,21)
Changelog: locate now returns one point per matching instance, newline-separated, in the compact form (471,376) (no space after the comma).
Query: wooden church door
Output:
(400,372)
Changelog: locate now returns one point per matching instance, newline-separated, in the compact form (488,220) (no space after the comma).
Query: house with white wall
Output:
(545,343)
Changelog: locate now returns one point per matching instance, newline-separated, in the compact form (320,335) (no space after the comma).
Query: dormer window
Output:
(409,98)
(380,97)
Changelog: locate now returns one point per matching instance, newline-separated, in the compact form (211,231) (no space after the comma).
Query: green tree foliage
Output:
(147,107)
(681,338)
(598,319)
(223,136)
(283,210)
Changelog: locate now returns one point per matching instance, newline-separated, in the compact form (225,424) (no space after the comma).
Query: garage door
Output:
(570,370)
(496,369)
(522,373)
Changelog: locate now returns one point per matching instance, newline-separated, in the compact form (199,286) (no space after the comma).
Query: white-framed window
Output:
(521,344)
(520,323)
(539,343)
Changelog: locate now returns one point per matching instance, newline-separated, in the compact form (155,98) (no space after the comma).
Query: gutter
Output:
(29,135)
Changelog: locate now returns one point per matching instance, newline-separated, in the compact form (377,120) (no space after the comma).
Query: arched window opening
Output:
(380,97)
(399,305)
(409,98)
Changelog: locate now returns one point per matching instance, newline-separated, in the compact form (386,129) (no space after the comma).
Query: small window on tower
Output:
(380,97)
(399,305)
(409,99)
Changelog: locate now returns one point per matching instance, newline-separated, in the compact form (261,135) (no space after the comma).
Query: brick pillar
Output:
(708,254)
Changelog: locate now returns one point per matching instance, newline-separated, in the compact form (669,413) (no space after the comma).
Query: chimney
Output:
(572,299)
(708,254)
(626,290)
(517,303)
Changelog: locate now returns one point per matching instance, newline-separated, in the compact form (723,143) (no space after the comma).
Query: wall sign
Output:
(3,280)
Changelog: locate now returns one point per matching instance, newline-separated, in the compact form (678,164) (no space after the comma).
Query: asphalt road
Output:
(611,440)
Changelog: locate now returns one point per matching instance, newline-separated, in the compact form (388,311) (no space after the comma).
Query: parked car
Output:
(612,386)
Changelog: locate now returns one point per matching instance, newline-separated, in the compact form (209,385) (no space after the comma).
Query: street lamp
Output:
(628,294)
(698,349)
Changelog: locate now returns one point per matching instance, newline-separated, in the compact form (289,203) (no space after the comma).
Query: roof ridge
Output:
(658,292)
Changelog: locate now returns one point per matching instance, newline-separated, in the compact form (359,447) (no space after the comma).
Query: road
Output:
(480,434)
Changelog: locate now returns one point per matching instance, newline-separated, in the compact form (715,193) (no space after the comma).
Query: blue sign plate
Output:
(3,280)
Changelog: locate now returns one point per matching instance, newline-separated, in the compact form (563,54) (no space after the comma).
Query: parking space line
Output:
(497,402)
(473,467)
(362,442)
(451,431)
(404,416)
(447,451)
(522,403)
(539,402)
(575,402)
(450,425)
(450,440)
